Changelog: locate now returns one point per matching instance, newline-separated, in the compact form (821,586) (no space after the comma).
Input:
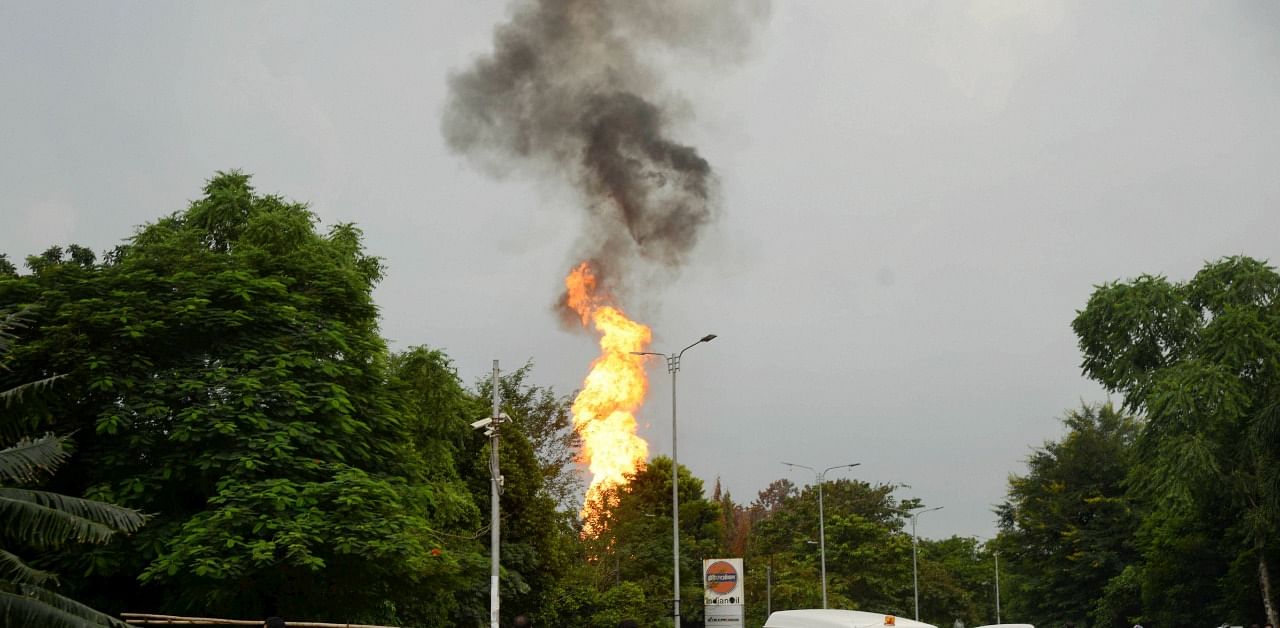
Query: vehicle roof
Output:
(836,618)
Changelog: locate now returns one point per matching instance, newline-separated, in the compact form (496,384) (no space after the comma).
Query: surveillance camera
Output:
(482,423)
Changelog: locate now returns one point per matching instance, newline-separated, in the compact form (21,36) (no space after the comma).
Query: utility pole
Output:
(495,489)
(915,571)
(996,553)
(768,588)
(673,367)
(820,477)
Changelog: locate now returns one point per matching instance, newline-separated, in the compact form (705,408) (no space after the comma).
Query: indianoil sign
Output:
(723,582)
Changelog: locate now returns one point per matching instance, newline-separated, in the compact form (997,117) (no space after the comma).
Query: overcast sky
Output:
(916,198)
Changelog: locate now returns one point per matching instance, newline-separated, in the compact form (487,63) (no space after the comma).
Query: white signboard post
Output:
(723,583)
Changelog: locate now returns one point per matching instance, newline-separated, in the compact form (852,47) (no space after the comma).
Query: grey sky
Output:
(916,199)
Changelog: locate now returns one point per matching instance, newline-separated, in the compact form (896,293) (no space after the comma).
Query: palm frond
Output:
(31,457)
(8,322)
(48,520)
(12,569)
(34,606)
(1264,428)
(71,607)
(12,320)
(14,395)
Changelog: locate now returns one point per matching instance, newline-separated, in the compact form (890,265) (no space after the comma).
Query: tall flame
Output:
(604,411)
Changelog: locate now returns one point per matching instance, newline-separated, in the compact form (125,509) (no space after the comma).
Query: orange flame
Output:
(603,412)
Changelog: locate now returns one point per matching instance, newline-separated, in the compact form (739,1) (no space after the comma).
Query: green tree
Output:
(546,420)
(1186,570)
(585,596)
(956,582)
(1067,527)
(766,551)
(868,554)
(224,372)
(1201,360)
(41,520)
(539,539)
(635,544)
(440,409)
(735,523)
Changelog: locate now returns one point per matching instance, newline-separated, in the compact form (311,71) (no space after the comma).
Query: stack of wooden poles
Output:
(151,619)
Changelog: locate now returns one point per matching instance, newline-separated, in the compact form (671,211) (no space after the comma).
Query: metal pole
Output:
(494,521)
(820,477)
(674,365)
(997,556)
(915,572)
(768,589)
(822,540)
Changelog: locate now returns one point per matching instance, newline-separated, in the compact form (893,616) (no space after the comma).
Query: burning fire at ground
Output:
(604,411)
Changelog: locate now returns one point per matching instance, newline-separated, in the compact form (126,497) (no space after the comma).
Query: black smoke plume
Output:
(566,92)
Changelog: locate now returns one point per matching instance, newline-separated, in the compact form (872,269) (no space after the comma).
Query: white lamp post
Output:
(915,574)
(673,367)
(996,554)
(822,528)
(490,426)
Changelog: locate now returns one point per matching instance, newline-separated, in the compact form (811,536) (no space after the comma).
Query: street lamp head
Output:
(708,338)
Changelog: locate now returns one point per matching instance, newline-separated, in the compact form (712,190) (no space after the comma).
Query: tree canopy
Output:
(1071,511)
(1201,360)
(35,520)
(223,371)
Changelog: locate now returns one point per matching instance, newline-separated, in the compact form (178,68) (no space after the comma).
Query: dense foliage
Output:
(869,556)
(33,520)
(1071,511)
(1175,513)
(222,372)
(1201,360)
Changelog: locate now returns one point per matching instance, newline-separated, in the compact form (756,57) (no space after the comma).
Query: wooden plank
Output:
(152,619)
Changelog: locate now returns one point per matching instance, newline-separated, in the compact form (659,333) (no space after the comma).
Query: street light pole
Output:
(490,425)
(996,554)
(673,367)
(768,587)
(822,526)
(915,573)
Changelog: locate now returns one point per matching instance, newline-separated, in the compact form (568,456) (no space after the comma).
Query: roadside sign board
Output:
(723,583)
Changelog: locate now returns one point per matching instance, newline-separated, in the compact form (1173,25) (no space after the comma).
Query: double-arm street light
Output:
(822,527)
(673,367)
(915,574)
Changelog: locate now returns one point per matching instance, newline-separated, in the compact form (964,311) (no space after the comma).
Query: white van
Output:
(836,618)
